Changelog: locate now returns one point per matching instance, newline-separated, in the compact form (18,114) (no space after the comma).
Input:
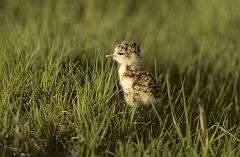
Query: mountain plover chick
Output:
(139,86)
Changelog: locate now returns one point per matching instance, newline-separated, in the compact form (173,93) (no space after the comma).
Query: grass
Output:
(59,96)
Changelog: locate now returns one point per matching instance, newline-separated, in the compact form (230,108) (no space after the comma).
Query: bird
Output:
(140,88)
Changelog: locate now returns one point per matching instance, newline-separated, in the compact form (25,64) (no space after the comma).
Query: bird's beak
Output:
(109,56)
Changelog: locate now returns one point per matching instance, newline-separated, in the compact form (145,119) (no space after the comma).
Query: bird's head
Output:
(127,53)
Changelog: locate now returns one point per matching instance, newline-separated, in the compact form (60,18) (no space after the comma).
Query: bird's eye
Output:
(120,53)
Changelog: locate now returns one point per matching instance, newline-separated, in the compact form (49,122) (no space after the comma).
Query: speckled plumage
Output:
(139,86)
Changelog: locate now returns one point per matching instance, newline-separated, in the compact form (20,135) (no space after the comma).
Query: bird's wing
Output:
(145,82)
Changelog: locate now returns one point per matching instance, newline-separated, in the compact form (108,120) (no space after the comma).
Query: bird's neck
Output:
(124,68)
(134,67)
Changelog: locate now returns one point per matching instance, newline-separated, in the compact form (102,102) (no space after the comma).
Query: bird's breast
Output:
(126,83)
(126,78)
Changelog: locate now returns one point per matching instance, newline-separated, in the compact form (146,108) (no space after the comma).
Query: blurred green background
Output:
(173,32)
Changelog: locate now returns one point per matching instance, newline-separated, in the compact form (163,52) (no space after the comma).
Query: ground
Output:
(59,96)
